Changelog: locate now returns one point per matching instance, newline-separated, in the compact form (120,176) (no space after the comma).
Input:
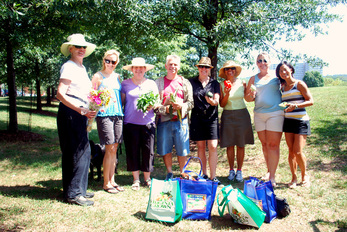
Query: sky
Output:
(331,48)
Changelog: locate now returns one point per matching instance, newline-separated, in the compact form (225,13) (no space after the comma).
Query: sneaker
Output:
(205,177)
(216,180)
(231,175)
(169,176)
(238,177)
(80,200)
(89,195)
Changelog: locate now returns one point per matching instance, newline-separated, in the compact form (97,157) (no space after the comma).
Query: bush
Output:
(313,79)
(333,82)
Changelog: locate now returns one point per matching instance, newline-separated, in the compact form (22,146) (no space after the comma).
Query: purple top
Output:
(132,93)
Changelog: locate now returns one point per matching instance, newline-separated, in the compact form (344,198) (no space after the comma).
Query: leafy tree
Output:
(313,79)
(245,24)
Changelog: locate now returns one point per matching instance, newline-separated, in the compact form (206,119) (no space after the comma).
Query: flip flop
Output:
(306,182)
(111,190)
(119,188)
(136,185)
(292,185)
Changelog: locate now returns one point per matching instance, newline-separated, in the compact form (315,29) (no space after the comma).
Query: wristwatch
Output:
(83,111)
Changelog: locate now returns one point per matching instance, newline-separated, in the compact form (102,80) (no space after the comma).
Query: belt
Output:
(176,119)
(80,99)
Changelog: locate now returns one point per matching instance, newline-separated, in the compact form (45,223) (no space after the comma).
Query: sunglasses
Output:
(261,61)
(79,47)
(204,67)
(110,61)
(232,68)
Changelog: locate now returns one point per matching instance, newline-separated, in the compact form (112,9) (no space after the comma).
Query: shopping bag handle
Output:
(188,171)
(225,200)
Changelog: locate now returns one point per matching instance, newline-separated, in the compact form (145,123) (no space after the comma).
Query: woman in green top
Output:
(236,127)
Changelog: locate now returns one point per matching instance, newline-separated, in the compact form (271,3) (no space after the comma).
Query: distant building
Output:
(301,69)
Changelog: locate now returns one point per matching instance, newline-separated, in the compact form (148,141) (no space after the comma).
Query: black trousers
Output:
(75,148)
(139,146)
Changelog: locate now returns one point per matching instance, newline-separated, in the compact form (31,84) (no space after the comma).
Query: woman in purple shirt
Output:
(139,127)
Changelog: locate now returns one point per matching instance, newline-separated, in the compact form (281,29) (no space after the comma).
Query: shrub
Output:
(313,79)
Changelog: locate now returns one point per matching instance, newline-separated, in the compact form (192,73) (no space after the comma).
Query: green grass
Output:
(31,193)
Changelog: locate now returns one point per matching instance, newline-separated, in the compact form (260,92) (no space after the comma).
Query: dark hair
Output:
(278,70)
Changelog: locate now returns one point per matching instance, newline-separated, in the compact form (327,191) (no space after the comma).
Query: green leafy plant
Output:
(147,99)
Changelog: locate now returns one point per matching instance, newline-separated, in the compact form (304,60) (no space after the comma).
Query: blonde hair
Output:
(107,53)
(263,54)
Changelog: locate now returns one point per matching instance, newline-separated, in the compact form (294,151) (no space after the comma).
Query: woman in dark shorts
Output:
(204,116)
(110,120)
(296,124)
(236,127)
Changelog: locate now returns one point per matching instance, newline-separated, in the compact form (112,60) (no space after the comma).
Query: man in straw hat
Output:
(73,89)
(176,95)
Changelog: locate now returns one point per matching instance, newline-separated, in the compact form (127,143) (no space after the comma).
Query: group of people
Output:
(178,98)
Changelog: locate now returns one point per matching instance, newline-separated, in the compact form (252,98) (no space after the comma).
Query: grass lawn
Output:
(31,187)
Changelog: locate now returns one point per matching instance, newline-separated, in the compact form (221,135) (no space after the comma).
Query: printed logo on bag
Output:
(238,216)
(196,203)
(163,201)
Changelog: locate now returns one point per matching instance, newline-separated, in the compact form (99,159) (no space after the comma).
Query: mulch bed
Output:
(23,136)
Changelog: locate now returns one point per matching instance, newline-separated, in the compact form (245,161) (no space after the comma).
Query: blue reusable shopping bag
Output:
(259,190)
(197,196)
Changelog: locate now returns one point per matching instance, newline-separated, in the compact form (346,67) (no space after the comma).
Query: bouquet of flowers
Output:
(97,99)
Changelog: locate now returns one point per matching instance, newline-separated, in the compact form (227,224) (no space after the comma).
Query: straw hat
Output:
(140,62)
(204,61)
(77,39)
(230,64)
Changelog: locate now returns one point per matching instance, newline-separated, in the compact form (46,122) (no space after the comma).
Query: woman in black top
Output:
(204,116)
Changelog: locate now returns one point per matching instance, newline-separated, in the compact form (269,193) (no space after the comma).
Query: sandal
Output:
(111,190)
(119,188)
(136,185)
(266,177)
(148,182)
(306,182)
(292,185)
(273,183)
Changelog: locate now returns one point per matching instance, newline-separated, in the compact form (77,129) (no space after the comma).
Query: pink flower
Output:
(97,100)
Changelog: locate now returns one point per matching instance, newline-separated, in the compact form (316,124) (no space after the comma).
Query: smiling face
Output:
(285,72)
(263,62)
(110,62)
(204,71)
(77,51)
(230,72)
(172,66)
(138,71)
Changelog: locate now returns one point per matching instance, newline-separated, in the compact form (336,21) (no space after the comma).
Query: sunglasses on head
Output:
(79,47)
(232,68)
(110,61)
(204,67)
(261,61)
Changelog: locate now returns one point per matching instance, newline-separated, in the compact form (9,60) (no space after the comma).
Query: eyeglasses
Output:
(79,47)
(110,61)
(204,67)
(261,61)
(232,68)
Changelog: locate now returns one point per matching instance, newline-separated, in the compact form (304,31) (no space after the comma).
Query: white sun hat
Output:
(139,62)
(78,40)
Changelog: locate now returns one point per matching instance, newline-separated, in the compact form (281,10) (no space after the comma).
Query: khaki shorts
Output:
(272,121)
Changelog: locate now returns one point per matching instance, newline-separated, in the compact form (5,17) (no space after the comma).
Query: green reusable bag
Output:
(164,203)
(242,209)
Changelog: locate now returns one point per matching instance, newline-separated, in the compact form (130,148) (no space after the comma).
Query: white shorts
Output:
(272,121)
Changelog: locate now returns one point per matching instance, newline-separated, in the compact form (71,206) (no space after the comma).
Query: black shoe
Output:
(89,195)
(205,176)
(80,200)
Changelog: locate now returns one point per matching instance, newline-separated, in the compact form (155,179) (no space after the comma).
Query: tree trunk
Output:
(11,80)
(53,92)
(38,85)
(48,94)
(212,53)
